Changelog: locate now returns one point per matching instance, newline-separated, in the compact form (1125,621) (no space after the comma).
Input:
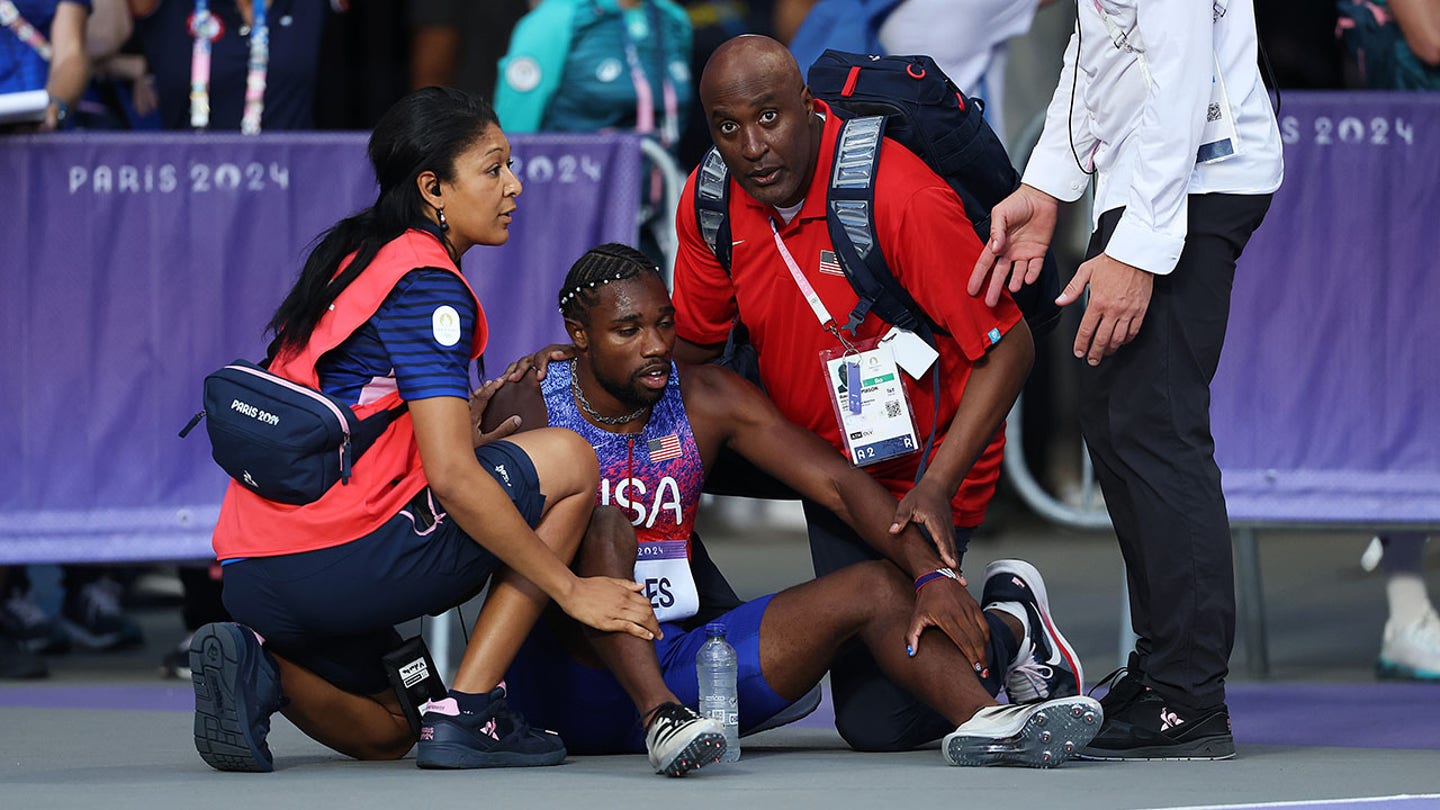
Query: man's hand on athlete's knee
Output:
(946,605)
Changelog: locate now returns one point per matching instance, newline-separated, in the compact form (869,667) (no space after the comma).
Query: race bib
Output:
(663,567)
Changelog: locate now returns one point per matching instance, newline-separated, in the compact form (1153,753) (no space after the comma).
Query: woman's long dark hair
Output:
(426,130)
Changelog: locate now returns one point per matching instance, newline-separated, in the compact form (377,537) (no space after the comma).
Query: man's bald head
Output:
(762,118)
(753,63)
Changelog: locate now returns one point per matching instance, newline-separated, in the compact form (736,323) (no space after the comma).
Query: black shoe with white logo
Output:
(1122,686)
(1150,728)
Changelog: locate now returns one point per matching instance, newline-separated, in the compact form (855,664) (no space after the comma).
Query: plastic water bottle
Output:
(717,668)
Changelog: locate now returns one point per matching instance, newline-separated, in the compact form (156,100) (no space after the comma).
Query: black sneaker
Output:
(237,688)
(679,740)
(92,616)
(495,737)
(1122,686)
(1149,728)
(30,627)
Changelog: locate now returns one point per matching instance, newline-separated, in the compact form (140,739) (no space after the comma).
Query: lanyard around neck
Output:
(10,17)
(206,29)
(644,92)
(808,290)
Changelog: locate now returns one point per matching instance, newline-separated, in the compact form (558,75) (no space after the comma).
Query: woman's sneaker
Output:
(1037,735)
(492,737)
(1045,666)
(237,688)
(680,741)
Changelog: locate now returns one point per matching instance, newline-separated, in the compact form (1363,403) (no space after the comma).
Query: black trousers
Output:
(1145,416)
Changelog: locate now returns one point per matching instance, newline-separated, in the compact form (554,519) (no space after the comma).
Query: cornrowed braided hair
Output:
(600,266)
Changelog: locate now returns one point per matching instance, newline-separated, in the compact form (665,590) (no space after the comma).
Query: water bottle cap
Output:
(715,629)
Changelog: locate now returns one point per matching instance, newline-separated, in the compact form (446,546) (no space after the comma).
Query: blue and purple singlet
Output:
(654,476)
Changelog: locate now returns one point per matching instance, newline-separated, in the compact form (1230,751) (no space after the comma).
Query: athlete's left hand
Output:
(946,604)
(479,401)
(928,507)
(1119,298)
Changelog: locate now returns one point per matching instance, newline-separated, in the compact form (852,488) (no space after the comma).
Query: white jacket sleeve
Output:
(1178,57)
(1054,167)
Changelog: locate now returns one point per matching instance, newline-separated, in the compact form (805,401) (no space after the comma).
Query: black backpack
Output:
(912,101)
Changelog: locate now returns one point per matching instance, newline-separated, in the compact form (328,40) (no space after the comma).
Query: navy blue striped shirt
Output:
(417,342)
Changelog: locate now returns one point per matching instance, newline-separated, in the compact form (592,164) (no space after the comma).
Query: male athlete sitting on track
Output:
(656,429)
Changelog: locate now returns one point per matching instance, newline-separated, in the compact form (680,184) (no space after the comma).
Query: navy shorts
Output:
(334,611)
(592,713)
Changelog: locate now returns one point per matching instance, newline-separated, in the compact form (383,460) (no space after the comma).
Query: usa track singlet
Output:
(654,476)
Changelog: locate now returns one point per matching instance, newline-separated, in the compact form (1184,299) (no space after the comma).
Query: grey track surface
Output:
(1325,619)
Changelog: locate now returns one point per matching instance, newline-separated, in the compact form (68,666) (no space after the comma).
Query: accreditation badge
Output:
(870,402)
(1218,139)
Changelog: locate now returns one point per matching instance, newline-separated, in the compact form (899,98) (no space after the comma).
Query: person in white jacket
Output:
(1163,104)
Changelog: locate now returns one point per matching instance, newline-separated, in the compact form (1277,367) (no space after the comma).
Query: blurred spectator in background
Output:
(967,40)
(17,659)
(1395,45)
(1410,645)
(597,65)
(42,47)
(90,613)
(458,43)
(121,94)
(1391,44)
(712,22)
(593,65)
(176,33)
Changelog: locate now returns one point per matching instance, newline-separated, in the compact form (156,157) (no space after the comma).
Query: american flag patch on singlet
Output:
(664,448)
(829,265)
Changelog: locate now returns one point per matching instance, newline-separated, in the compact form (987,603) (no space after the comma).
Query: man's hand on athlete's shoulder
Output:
(539,362)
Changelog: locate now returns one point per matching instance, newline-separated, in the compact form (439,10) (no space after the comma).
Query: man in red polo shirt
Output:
(778,143)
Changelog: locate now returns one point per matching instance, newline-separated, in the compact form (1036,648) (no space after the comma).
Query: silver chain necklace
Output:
(590,409)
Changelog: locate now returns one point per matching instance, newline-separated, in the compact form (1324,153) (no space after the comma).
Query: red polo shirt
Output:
(929,245)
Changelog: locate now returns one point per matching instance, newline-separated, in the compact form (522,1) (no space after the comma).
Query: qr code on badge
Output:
(892,410)
(1212,113)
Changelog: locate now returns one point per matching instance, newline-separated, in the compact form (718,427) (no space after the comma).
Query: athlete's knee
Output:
(865,732)
(880,586)
(609,547)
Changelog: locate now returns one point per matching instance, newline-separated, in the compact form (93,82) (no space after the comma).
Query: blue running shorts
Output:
(594,715)
(333,611)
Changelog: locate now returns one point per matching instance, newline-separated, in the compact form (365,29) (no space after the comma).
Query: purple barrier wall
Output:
(1327,404)
(134,265)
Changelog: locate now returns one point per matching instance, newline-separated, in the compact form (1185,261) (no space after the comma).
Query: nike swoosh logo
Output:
(737,242)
